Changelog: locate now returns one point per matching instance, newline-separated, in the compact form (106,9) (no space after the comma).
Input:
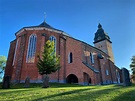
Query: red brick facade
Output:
(81,70)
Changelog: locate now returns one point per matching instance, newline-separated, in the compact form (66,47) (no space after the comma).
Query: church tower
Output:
(102,42)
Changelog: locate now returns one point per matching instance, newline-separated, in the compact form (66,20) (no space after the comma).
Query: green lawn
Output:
(66,92)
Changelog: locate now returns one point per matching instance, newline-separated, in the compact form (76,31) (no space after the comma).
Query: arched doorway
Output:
(87,79)
(72,79)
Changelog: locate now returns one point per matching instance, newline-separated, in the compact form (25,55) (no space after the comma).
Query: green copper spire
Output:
(99,26)
(100,35)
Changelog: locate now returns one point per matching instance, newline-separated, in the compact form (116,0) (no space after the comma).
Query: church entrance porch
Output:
(72,79)
(87,79)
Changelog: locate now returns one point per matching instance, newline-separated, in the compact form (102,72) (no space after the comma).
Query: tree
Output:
(2,65)
(132,66)
(49,62)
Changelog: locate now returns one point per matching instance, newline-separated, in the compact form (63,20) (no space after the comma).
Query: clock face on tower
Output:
(99,38)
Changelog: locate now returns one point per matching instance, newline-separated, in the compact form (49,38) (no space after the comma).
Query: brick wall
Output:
(81,67)
(9,68)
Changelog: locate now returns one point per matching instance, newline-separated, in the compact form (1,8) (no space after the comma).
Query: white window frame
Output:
(53,38)
(107,72)
(91,57)
(70,57)
(31,48)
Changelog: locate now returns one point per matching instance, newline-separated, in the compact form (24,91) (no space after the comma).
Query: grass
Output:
(68,92)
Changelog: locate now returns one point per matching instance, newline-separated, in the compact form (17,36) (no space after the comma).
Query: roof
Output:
(99,50)
(43,25)
(92,68)
(46,25)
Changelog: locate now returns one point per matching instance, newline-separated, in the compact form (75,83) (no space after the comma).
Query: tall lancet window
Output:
(91,58)
(70,58)
(31,49)
(53,38)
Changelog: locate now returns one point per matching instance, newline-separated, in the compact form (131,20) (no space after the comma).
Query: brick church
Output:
(80,62)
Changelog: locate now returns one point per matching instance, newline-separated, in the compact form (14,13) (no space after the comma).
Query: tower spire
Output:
(102,42)
(99,26)
(44,16)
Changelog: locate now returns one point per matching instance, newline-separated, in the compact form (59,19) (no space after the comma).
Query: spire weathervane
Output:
(99,26)
(44,16)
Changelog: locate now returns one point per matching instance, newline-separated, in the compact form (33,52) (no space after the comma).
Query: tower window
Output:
(53,38)
(31,49)
(107,73)
(91,58)
(70,58)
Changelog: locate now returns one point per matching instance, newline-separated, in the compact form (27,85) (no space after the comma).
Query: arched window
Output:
(53,38)
(107,73)
(91,57)
(70,58)
(31,49)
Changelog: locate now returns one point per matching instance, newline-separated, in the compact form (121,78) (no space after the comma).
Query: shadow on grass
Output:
(61,94)
(20,87)
(39,85)
(81,94)
(128,95)
(56,85)
(17,88)
(7,91)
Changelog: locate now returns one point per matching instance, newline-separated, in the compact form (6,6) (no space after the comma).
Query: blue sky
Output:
(79,18)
